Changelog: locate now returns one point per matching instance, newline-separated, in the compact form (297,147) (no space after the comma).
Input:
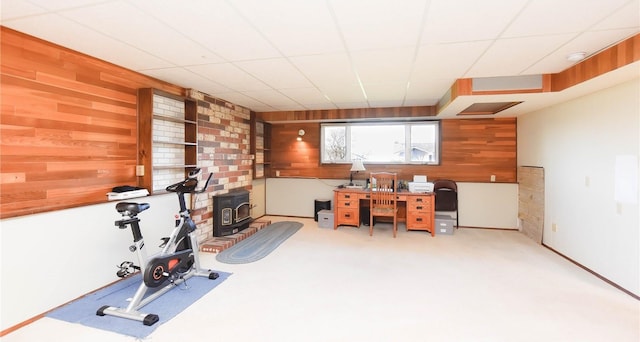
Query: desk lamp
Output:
(356,166)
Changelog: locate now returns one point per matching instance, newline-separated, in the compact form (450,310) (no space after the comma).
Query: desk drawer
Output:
(425,201)
(349,217)
(347,196)
(422,221)
(354,203)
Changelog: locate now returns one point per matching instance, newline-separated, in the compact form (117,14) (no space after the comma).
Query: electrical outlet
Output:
(277,173)
(493,178)
(139,170)
(554,227)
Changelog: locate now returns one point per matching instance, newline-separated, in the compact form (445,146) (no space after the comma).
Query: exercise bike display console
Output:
(176,262)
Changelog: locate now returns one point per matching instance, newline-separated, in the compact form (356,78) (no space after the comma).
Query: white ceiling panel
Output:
(14,9)
(306,96)
(314,31)
(278,73)
(178,75)
(104,17)
(64,4)
(627,16)
(566,16)
(229,76)
(325,54)
(327,70)
(62,31)
(588,42)
(510,57)
(447,60)
(214,24)
(274,98)
(377,24)
(384,65)
(468,20)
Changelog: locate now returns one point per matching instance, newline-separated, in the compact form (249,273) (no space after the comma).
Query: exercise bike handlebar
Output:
(190,184)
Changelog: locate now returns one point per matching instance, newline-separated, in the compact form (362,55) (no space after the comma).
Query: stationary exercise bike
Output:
(176,262)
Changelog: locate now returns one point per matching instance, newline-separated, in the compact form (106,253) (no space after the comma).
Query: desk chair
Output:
(446,192)
(383,201)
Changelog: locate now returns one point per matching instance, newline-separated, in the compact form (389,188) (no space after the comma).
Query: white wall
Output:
(51,258)
(577,143)
(487,205)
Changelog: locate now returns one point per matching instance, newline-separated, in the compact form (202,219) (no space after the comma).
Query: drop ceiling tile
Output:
(64,4)
(428,90)
(306,96)
(589,42)
(273,97)
(230,76)
(511,57)
(163,41)
(341,93)
(627,16)
(187,79)
(243,100)
(327,70)
(314,33)
(468,20)
(14,9)
(567,16)
(214,24)
(388,65)
(387,92)
(447,60)
(379,24)
(62,31)
(278,73)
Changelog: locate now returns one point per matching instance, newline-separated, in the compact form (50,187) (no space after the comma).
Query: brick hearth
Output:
(218,244)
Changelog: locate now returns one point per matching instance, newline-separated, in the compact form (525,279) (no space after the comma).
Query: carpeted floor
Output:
(344,285)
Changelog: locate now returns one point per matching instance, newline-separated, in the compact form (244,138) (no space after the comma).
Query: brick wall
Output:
(165,130)
(224,149)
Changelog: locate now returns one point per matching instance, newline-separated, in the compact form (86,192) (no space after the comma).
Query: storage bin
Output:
(325,219)
(444,224)
(320,204)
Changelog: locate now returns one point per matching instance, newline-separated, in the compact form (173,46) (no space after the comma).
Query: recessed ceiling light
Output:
(576,56)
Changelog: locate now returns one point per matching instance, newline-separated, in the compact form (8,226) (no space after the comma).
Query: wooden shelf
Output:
(147,116)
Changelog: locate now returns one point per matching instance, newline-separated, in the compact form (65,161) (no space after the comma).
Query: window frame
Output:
(407,132)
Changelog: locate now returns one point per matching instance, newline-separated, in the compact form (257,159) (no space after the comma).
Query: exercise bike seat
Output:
(131,208)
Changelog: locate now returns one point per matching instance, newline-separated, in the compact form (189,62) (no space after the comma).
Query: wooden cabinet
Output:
(260,148)
(420,213)
(168,138)
(346,209)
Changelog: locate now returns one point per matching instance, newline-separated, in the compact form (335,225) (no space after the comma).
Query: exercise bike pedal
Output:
(213,275)
(126,268)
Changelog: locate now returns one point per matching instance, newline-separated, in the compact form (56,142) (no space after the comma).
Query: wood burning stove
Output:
(231,212)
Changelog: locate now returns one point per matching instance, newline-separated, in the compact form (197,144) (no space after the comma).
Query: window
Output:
(390,143)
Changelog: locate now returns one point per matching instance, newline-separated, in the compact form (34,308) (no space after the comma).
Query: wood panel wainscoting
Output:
(472,150)
(69,126)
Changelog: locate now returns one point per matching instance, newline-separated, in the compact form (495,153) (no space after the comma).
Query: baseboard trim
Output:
(601,277)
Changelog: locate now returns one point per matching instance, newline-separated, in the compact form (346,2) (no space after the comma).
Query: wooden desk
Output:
(420,208)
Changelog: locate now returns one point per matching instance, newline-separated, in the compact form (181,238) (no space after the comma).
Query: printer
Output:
(420,185)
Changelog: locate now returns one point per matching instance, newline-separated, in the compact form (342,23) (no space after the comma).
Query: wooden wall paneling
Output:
(68,125)
(345,114)
(472,150)
(619,55)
